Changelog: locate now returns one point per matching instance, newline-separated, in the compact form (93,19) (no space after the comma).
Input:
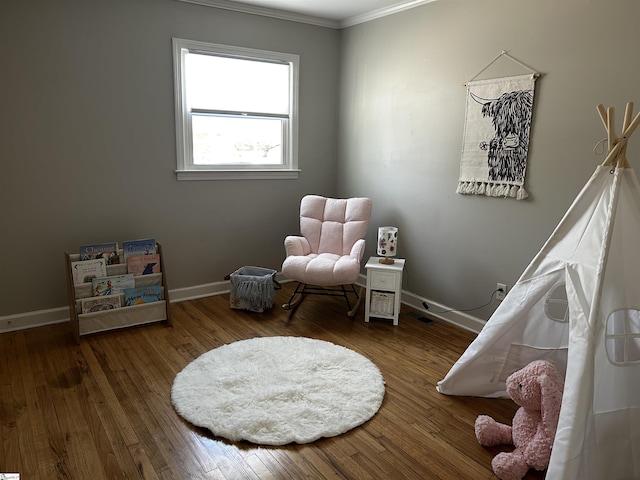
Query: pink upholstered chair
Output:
(325,258)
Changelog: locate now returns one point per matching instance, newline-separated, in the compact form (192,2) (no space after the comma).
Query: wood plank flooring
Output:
(102,409)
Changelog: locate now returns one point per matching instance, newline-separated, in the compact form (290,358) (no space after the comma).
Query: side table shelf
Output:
(384,288)
(94,322)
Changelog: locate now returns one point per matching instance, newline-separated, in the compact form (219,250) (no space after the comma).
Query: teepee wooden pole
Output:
(632,126)
(611,127)
(630,129)
(606,115)
(615,145)
(628,113)
(603,114)
(626,123)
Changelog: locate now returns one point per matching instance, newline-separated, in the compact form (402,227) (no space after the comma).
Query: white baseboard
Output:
(199,291)
(460,319)
(40,318)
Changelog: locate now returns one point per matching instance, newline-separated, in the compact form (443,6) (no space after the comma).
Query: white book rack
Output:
(122,317)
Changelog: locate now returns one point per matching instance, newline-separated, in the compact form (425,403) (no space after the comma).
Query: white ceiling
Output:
(331,9)
(331,13)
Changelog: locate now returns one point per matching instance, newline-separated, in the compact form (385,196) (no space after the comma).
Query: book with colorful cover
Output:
(143,264)
(108,251)
(83,271)
(111,285)
(100,304)
(140,295)
(145,246)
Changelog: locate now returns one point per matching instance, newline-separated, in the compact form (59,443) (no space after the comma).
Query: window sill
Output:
(237,174)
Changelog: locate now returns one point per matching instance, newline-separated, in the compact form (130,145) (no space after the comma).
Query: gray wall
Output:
(87,142)
(401,125)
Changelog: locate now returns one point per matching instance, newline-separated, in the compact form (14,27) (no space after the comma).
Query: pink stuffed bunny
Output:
(537,388)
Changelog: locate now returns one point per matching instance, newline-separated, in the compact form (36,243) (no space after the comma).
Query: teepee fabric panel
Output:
(496,136)
(598,435)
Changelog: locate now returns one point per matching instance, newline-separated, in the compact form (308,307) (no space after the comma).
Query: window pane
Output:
(231,140)
(634,321)
(220,83)
(633,349)
(616,350)
(616,323)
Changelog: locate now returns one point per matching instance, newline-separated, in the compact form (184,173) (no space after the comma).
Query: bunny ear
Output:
(551,387)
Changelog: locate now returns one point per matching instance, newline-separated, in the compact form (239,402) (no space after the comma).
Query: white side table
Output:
(384,287)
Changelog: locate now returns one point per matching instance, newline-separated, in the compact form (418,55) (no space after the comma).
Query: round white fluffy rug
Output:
(278,390)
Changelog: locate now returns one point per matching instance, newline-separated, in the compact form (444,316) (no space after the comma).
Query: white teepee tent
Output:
(578,304)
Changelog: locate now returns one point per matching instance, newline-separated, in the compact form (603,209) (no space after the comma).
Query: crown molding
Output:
(297,17)
(382,12)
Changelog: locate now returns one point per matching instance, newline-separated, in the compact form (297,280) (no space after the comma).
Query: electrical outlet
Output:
(501,291)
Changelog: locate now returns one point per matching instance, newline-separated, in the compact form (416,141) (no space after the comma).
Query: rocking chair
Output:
(325,258)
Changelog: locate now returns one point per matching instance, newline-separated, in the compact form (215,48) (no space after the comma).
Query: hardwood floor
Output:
(102,410)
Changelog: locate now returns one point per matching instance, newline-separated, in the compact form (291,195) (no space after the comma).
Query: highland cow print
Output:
(507,150)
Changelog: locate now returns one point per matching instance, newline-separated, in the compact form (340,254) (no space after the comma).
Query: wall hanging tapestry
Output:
(496,136)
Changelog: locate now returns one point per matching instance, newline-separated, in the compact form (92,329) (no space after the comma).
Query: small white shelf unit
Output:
(384,288)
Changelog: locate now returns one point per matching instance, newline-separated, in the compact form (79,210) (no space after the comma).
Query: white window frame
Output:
(186,169)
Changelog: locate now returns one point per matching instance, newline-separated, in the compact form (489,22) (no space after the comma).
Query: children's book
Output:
(140,295)
(143,264)
(100,304)
(108,251)
(146,246)
(84,271)
(111,285)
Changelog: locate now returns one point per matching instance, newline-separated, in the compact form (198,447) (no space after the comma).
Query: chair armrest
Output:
(357,251)
(295,245)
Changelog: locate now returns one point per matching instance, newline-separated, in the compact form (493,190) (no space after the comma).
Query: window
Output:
(236,112)
(623,336)
(556,305)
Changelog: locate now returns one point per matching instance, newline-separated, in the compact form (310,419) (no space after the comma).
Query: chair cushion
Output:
(322,269)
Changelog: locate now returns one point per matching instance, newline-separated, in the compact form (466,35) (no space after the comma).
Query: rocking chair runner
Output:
(329,250)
